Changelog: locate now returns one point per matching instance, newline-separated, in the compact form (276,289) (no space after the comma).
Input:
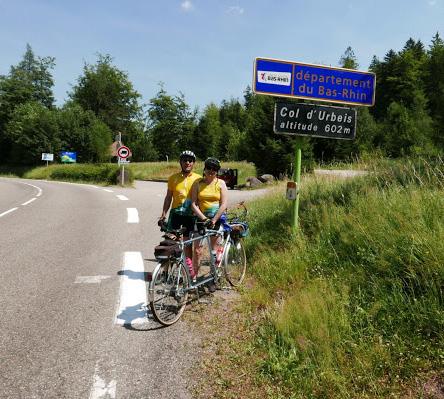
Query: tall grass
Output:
(353,304)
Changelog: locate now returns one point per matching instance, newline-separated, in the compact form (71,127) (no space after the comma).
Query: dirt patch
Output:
(228,363)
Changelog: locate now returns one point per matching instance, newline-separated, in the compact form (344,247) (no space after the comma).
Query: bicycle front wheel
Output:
(168,292)
(235,263)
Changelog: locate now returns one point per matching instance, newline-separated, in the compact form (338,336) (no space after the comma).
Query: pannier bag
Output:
(240,229)
(166,249)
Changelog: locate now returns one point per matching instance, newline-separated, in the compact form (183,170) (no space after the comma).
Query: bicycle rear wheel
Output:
(168,292)
(235,263)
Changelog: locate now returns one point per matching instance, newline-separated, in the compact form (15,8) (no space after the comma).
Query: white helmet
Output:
(187,153)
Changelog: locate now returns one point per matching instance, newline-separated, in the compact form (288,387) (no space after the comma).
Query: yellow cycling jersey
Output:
(180,186)
(208,196)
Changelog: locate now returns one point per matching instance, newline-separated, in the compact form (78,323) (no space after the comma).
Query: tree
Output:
(271,153)
(434,87)
(108,93)
(81,131)
(30,81)
(171,124)
(348,59)
(33,129)
(208,134)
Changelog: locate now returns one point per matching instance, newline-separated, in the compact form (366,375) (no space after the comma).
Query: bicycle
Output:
(171,280)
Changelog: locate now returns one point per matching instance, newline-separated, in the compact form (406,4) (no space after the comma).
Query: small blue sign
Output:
(315,82)
(68,157)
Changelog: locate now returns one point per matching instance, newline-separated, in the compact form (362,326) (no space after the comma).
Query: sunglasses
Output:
(190,160)
(211,168)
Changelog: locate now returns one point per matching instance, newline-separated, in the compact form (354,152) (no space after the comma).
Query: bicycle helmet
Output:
(187,154)
(212,163)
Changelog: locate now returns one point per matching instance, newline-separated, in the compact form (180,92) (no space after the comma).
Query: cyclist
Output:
(209,200)
(179,192)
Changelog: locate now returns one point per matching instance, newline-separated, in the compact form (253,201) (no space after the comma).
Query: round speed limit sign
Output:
(123,152)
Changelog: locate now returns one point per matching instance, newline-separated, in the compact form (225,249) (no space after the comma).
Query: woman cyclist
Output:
(209,200)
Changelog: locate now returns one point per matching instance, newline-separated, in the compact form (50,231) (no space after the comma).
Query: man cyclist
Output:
(179,193)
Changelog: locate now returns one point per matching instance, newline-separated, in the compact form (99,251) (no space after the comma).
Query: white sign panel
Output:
(47,157)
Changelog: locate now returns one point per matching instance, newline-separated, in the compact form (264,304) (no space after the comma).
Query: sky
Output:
(206,48)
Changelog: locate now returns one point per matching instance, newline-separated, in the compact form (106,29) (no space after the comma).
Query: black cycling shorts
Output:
(176,221)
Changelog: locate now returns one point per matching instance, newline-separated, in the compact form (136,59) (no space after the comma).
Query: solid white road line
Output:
(28,202)
(38,188)
(122,197)
(8,211)
(133,215)
(131,310)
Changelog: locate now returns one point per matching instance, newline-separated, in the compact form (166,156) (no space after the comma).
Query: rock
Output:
(266,178)
(253,181)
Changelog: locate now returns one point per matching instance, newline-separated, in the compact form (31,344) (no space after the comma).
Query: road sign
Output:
(315,82)
(123,152)
(47,157)
(315,120)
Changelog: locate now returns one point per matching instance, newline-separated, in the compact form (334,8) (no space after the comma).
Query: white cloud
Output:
(235,10)
(432,3)
(187,5)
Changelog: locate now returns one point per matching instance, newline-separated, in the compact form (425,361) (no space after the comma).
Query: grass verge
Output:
(353,306)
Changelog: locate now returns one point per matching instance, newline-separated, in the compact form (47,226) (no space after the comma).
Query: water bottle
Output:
(219,253)
(214,256)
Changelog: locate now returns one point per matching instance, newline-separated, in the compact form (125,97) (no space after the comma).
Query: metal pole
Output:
(297,180)
(123,175)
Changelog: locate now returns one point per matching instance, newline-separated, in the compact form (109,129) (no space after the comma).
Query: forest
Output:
(406,120)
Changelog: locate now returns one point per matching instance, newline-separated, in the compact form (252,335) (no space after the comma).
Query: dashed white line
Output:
(8,211)
(101,389)
(133,299)
(122,197)
(133,215)
(108,190)
(90,279)
(28,202)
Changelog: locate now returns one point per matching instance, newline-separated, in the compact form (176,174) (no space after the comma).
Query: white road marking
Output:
(8,211)
(90,279)
(108,190)
(38,189)
(132,303)
(28,202)
(133,215)
(122,197)
(101,389)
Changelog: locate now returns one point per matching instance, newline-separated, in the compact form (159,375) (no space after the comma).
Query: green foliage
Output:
(32,130)
(29,81)
(271,153)
(83,132)
(98,173)
(354,304)
(171,124)
(108,92)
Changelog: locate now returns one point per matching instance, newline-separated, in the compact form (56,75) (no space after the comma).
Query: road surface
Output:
(74,321)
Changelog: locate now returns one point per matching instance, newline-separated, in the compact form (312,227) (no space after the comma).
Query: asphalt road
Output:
(69,254)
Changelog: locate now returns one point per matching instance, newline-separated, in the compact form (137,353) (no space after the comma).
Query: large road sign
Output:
(315,120)
(315,82)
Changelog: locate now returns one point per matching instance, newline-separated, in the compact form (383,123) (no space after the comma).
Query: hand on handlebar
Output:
(208,224)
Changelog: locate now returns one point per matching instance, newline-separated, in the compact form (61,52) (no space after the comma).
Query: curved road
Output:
(74,322)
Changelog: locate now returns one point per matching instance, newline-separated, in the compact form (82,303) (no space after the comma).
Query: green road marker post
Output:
(297,180)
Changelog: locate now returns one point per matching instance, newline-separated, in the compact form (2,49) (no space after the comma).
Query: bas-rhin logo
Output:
(275,78)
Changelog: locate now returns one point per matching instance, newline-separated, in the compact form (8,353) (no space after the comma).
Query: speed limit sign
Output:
(123,152)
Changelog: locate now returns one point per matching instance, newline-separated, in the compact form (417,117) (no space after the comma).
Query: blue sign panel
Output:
(315,82)
(68,157)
